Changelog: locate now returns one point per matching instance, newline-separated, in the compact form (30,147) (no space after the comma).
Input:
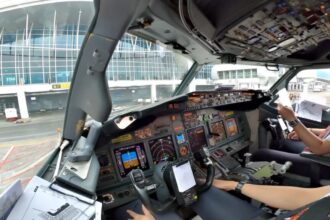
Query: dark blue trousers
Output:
(217,204)
(213,204)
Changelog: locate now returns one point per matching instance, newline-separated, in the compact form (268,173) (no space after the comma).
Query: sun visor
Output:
(200,21)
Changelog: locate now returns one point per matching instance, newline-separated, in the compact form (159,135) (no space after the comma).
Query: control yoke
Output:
(175,183)
(203,156)
(139,183)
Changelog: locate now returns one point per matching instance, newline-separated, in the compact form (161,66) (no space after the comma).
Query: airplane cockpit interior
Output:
(168,154)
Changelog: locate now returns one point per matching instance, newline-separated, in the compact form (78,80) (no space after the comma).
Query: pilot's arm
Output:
(283,197)
(310,138)
(294,136)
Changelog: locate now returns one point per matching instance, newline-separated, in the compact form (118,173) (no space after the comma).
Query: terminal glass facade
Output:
(138,59)
(49,56)
(41,57)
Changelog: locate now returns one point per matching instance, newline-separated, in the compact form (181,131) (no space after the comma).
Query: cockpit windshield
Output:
(142,72)
(107,104)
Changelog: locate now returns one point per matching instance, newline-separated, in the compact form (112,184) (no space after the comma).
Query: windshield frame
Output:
(90,70)
(188,77)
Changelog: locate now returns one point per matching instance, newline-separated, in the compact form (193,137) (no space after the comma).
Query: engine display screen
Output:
(162,149)
(131,157)
(232,127)
(218,132)
(196,137)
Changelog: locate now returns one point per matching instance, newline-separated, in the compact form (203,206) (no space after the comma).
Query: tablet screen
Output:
(184,177)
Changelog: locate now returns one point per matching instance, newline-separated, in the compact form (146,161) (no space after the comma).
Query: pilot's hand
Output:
(286,112)
(146,214)
(293,136)
(226,185)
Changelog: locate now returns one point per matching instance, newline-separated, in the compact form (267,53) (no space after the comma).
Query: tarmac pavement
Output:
(24,147)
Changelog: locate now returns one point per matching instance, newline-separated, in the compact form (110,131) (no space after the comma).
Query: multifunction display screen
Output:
(180,138)
(131,157)
(196,137)
(217,132)
(232,127)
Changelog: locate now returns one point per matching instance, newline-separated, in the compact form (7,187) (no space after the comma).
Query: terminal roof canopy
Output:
(37,15)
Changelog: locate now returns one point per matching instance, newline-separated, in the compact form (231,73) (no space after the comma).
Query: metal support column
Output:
(153,92)
(23,109)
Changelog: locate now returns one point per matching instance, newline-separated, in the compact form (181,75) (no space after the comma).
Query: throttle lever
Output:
(247,157)
(285,167)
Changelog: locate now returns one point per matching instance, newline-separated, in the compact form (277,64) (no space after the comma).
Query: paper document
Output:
(310,110)
(39,202)
(288,126)
(282,124)
(184,177)
(283,98)
(9,197)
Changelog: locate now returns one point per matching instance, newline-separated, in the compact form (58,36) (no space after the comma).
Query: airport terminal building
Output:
(37,61)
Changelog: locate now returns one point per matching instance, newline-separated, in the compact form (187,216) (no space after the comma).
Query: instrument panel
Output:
(179,128)
(168,138)
(207,99)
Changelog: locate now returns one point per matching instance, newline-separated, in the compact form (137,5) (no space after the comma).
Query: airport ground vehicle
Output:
(288,33)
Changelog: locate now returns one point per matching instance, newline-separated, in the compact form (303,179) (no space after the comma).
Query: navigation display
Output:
(196,137)
(162,149)
(231,127)
(218,132)
(131,157)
